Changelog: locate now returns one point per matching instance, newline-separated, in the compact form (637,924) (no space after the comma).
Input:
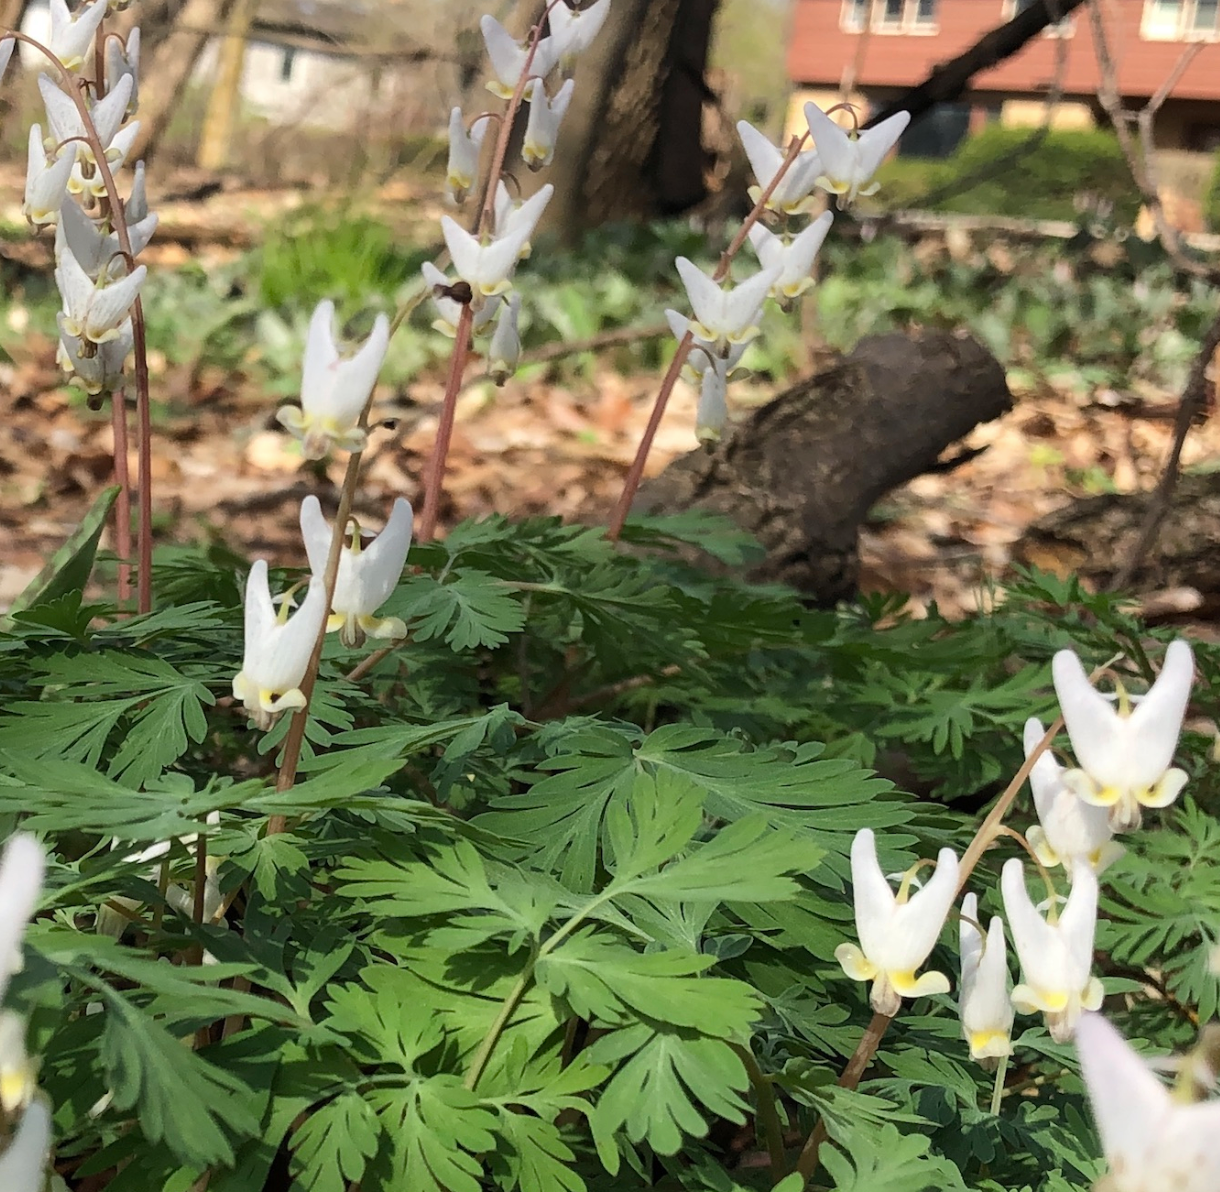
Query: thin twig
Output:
(1191,406)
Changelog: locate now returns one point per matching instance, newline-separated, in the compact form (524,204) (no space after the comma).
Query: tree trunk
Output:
(631,145)
(164,78)
(802,473)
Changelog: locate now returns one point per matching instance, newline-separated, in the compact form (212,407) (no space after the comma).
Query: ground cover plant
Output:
(537,857)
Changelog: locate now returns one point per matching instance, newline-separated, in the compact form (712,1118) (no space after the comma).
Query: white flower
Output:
(505,349)
(334,390)
(93,250)
(277,647)
(449,310)
(95,311)
(508,57)
(6,53)
(1125,755)
(136,207)
(46,180)
(986,1007)
(1152,1142)
(698,361)
(725,317)
(101,372)
(17,1075)
(1056,958)
(793,258)
(1070,829)
(573,31)
(107,114)
(22,866)
(542,128)
(23,1165)
(123,59)
(367,573)
(793,194)
(485,265)
(71,36)
(849,160)
(706,367)
(464,150)
(510,216)
(896,933)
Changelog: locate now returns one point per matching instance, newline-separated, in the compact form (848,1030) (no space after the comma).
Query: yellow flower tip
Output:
(1094,994)
(493,291)
(745,335)
(709,435)
(908,985)
(499,90)
(1041,848)
(871,189)
(16,1086)
(335,621)
(1165,791)
(854,963)
(986,1045)
(384,628)
(834,185)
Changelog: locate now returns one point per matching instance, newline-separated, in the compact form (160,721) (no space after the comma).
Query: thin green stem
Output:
(765,1111)
(997,1091)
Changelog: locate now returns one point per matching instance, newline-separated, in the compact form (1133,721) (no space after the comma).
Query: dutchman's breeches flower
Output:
(334,391)
(850,159)
(23,1165)
(277,647)
(486,265)
(464,150)
(1056,957)
(508,57)
(95,311)
(72,33)
(46,180)
(542,128)
(793,258)
(793,193)
(896,933)
(367,573)
(985,1002)
(449,310)
(1124,753)
(504,351)
(725,317)
(22,866)
(1069,829)
(573,31)
(1154,1140)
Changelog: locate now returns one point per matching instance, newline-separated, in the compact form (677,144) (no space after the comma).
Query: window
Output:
(889,16)
(1063,28)
(1180,20)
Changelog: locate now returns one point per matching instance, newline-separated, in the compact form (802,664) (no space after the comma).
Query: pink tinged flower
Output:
(22,866)
(504,352)
(46,181)
(793,258)
(485,265)
(725,317)
(464,150)
(849,160)
(367,573)
(511,216)
(542,128)
(101,372)
(23,1164)
(896,932)
(277,647)
(72,34)
(334,389)
(1153,1142)
(508,57)
(1068,828)
(1056,957)
(574,31)
(95,310)
(985,1003)
(1124,754)
(793,194)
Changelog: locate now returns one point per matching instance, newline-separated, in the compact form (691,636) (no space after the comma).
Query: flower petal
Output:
(1092,723)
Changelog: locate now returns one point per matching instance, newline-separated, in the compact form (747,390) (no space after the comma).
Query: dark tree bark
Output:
(631,145)
(802,473)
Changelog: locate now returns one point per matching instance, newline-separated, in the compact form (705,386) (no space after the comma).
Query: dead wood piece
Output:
(802,473)
(1094,536)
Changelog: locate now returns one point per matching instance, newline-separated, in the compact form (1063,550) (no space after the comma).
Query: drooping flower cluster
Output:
(1125,758)
(90,131)
(485,256)
(726,320)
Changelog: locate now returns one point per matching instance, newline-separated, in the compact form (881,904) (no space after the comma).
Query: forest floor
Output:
(223,470)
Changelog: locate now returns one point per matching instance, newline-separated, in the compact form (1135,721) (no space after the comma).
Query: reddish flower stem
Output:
(444,432)
(122,504)
(635,473)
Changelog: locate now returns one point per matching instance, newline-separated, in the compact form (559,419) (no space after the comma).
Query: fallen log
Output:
(803,471)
